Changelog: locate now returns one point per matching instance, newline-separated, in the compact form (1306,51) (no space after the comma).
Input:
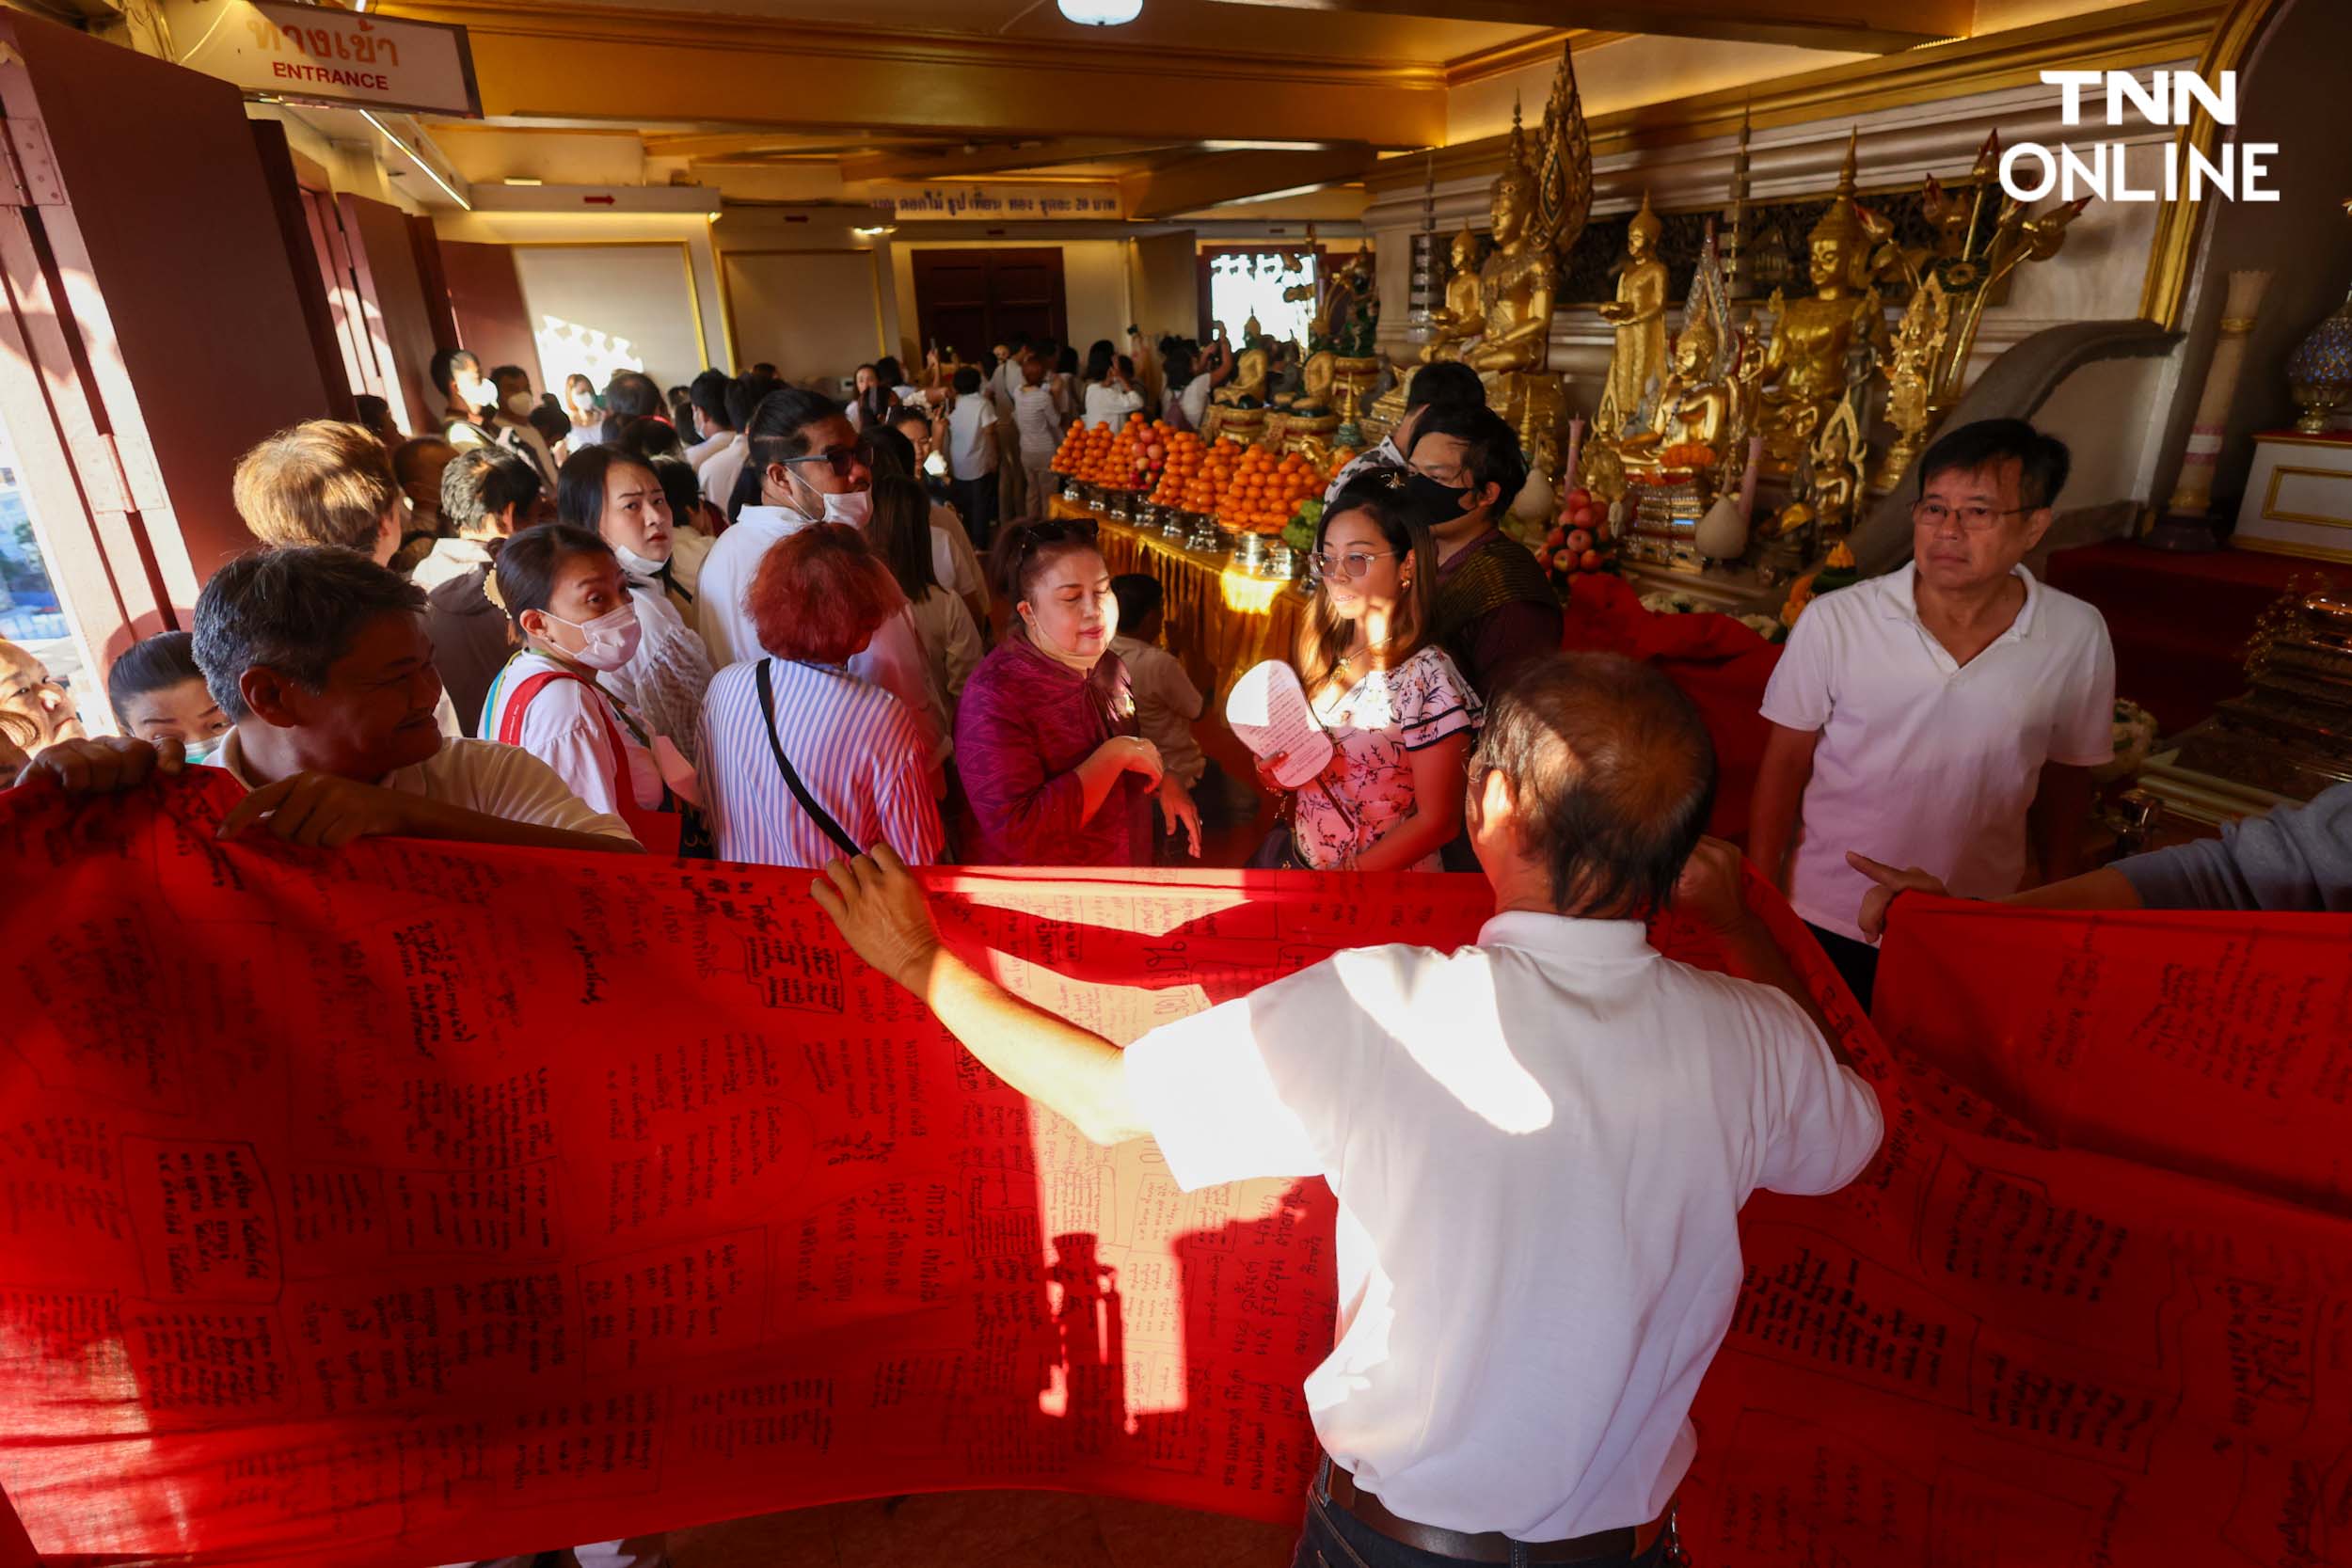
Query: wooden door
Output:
(972,300)
(151,331)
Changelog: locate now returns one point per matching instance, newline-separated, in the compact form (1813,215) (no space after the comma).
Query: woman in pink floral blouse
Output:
(1401,716)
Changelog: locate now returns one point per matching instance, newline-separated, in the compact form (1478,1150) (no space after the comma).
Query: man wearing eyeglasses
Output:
(1944,716)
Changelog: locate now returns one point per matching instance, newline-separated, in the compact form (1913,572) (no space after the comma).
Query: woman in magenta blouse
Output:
(1046,740)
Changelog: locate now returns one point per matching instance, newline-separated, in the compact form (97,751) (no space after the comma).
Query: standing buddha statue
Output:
(1638,314)
(1810,361)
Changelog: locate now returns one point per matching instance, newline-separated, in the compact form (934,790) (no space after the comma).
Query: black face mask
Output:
(1442,502)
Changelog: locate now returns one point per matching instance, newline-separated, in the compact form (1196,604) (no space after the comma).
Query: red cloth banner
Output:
(422,1202)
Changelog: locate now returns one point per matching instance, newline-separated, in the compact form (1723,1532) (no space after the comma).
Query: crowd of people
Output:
(742,619)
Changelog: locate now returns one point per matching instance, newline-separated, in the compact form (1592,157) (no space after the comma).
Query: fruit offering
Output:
(1262,492)
(1180,481)
(1579,540)
(1082,451)
(1126,459)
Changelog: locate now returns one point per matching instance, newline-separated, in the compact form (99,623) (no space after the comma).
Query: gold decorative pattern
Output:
(2150,33)
(2173,253)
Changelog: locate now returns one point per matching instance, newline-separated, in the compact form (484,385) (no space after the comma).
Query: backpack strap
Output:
(816,813)
(658,829)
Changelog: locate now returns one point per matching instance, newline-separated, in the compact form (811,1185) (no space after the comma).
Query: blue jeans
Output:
(1335,1539)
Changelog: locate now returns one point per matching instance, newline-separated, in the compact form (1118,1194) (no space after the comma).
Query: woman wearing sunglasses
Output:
(1401,716)
(1047,745)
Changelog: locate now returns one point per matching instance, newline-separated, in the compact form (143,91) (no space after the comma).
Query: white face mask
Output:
(853,507)
(610,640)
(198,753)
(521,405)
(635,564)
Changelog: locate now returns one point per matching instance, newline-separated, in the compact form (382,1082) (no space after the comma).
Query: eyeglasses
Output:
(1324,566)
(840,459)
(1972,519)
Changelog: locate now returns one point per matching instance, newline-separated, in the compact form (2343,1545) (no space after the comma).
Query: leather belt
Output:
(1623,1543)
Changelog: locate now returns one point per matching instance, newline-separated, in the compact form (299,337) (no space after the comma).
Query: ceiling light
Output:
(521,179)
(1101,13)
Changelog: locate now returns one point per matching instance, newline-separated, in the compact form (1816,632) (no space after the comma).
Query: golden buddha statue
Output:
(1540,202)
(1519,285)
(1693,407)
(1463,315)
(1808,363)
(1638,314)
(1835,492)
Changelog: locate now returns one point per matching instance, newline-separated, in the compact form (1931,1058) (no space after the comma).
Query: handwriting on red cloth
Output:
(427,1202)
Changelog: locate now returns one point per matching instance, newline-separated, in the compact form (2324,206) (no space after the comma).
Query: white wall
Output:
(815,314)
(629,301)
(680,309)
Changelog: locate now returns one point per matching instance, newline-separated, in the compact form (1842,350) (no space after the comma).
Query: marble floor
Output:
(985,1530)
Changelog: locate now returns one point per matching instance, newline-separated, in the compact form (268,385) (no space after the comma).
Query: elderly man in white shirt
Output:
(1931,717)
(1540,1143)
(320,657)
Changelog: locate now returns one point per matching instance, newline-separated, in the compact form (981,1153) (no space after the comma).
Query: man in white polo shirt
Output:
(1931,717)
(1539,1144)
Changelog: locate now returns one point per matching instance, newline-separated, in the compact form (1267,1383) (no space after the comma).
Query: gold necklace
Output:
(1346,660)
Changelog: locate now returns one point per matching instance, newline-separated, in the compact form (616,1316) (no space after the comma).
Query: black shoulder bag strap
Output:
(816,813)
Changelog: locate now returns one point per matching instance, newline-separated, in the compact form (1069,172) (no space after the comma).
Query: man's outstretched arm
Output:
(885,917)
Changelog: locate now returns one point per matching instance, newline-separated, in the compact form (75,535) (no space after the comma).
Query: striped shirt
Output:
(853,745)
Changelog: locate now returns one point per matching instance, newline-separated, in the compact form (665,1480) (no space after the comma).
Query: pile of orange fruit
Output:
(1182,483)
(1245,488)
(1084,451)
(1130,459)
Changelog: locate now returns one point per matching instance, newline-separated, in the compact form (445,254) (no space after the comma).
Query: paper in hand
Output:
(1268,712)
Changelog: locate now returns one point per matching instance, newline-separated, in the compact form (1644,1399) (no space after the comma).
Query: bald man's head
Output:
(1612,778)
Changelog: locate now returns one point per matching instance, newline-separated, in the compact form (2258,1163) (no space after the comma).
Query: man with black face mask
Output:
(1496,610)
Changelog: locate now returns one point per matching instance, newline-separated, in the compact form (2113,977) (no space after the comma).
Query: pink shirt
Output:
(1024,726)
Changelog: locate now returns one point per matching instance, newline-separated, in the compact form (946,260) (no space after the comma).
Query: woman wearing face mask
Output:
(1401,717)
(803,464)
(1046,739)
(558,697)
(579,403)
(606,491)
(159,694)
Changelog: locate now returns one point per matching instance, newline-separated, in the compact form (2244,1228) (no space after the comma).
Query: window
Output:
(1246,283)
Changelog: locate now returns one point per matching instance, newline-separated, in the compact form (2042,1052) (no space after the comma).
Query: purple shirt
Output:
(1024,725)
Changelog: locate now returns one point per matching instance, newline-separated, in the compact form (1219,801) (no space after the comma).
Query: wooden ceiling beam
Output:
(1861,26)
(1198,182)
(954,162)
(596,63)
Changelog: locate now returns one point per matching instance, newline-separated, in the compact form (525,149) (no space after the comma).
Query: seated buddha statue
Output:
(1463,316)
(1837,487)
(1807,365)
(1693,405)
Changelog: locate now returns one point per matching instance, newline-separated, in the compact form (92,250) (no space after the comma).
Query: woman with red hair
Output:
(805,762)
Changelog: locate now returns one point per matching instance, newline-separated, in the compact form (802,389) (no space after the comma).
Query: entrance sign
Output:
(324,55)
